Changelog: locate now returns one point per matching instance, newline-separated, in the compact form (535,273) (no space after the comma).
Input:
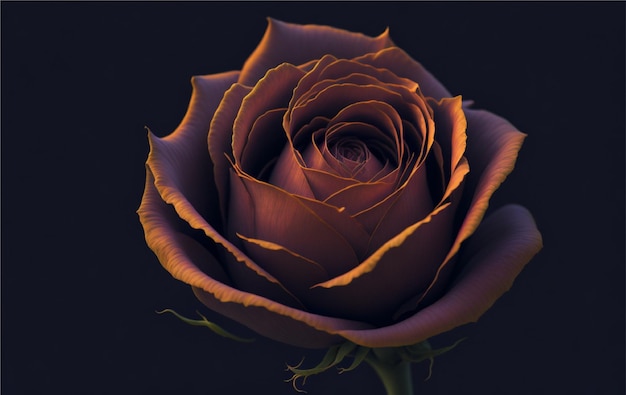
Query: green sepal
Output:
(211,325)
(333,356)
(336,354)
(359,356)
(422,351)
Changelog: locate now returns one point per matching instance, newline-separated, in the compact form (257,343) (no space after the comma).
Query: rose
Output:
(333,189)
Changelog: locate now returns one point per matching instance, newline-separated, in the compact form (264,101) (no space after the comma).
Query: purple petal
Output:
(294,271)
(183,154)
(271,92)
(344,67)
(359,197)
(400,63)
(191,264)
(263,144)
(451,130)
(220,139)
(494,256)
(406,206)
(281,218)
(288,174)
(404,265)
(492,148)
(297,44)
(332,99)
(188,261)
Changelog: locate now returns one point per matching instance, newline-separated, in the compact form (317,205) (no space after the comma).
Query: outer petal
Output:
(273,320)
(179,160)
(492,148)
(190,263)
(188,145)
(495,255)
(403,266)
(160,222)
(164,233)
(297,44)
(399,62)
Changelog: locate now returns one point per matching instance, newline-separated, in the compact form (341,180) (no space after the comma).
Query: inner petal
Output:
(351,152)
(331,100)
(359,154)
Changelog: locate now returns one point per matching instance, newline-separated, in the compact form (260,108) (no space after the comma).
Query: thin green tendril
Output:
(204,322)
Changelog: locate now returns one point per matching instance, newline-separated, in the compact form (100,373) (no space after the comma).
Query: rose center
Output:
(351,151)
(354,157)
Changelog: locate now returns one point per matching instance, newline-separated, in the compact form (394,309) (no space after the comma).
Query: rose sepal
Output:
(391,364)
(211,325)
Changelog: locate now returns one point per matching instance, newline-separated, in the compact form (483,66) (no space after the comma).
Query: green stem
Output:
(396,377)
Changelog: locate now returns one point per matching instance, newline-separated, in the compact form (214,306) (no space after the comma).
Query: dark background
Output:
(80,288)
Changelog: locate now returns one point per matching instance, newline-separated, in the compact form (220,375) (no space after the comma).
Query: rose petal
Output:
(401,64)
(305,84)
(220,139)
(379,115)
(287,174)
(177,161)
(407,205)
(259,150)
(303,137)
(281,218)
(353,79)
(189,263)
(437,179)
(411,200)
(296,272)
(344,67)
(492,148)
(495,255)
(337,218)
(358,197)
(246,273)
(452,195)
(297,44)
(331,100)
(163,231)
(373,290)
(187,144)
(271,92)
(362,138)
(257,129)
(274,320)
(324,184)
(451,130)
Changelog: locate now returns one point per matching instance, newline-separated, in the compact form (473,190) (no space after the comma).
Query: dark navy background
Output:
(80,288)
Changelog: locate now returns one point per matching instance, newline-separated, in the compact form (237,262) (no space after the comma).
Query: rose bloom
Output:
(334,190)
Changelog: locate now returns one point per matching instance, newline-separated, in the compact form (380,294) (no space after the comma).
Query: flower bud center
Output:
(350,150)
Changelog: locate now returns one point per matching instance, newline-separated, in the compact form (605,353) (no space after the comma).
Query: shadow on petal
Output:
(492,148)
(493,258)
(190,263)
(401,267)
